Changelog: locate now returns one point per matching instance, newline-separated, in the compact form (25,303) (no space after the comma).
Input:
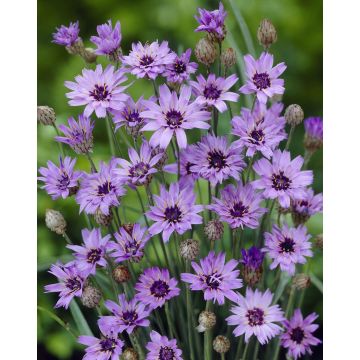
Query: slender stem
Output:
(291,133)
(219,70)
(216,120)
(307,156)
(61,148)
(245,351)
(159,321)
(190,325)
(256,350)
(209,194)
(249,169)
(207,337)
(239,348)
(178,157)
(93,167)
(67,239)
(138,347)
(222,356)
(155,89)
(169,320)
(110,136)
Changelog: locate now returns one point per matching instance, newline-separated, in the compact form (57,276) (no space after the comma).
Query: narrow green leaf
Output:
(79,319)
(284,279)
(317,282)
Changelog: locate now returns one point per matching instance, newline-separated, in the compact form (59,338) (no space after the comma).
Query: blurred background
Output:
(299,26)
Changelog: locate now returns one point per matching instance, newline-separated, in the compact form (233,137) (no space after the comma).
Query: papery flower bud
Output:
(46,115)
(299,218)
(129,354)
(189,249)
(214,230)
(160,164)
(55,221)
(221,344)
(102,219)
(313,133)
(78,48)
(121,274)
(128,228)
(294,114)
(217,38)
(205,51)
(91,296)
(301,281)
(207,320)
(228,57)
(266,33)
(319,241)
(252,260)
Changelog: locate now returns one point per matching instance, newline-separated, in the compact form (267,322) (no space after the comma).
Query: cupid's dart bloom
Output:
(149,60)
(215,278)
(99,90)
(67,35)
(127,315)
(298,336)
(253,315)
(108,39)
(287,247)
(93,251)
(155,287)
(174,210)
(313,133)
(60,181)
(282,178)
(79,135)
(263,77)
(161,348)
(309,205)
(215,161)
(173,116)
(213,91)
(100,190)
(71,282)
(181,68)
(252,260)
(239,206)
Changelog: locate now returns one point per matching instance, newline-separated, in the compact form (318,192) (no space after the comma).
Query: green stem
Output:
(207,337)
(245,350)
(137,346)
(249,169)
(60,144)
(256,350)
(291,133)
(110,136)
(239,348)
(93,167)
(216,120)
(209,194)
(169,320)
(67,239)
(155,89)
(190,325)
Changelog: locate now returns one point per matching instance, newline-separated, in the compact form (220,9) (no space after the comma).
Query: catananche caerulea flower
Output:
(252,260)
(181,68)
(60,180)
(298,336)
(155,287)
(215,278)
(239,206)
(174,210)
(99,90)
(314,127)
(67,35)
(263,77)
(254,315)
(108,39)
(173,116)
(161,348)
(309,205)
(282,178)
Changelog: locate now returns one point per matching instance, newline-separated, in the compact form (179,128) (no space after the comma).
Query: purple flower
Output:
(253,315)
(215,161)
(108,41)
(181,68)
(314,128)
(215,278)
(155,287)
(239,206)
(282,178)
(100,190)
(67,36)
(298,335)
(60,181)
(212,22)
(287,247)
(263,77)
(127,315)
(149,60)
(213,91)
(174,210)
(71,282)
(308,205)
(129,245)
(161,348)
(252,258)
(173,116)
(79,135)
(93,252)
(260,130)
(99,90)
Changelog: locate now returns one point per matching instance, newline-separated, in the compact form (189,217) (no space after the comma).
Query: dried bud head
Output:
(214,230)
(121,274)
(78,48)
(228,57)
(207,320)
(129,354)
(266,33)
(55,221)
(205,51)
(189,249)
(46,115)
(319,241)
(221,344)
(91,297)
(301,281)
(294,114)
(102,219)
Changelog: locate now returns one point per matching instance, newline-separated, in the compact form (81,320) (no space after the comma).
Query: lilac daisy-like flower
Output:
(92,253)
(100,190)
(314,127)
(298,336)
(213,91)
(282,178)
(108,39)
(287,247)
(239,206)
(252,260)
(215,278)
(263,77)
(260,130)
(67,35)
(79,135)
(60,181)
(181,68)
(155,287)
(309,205)
(253,315)
(215,161)
(129,244)
(99,90)
(161,348)
(149,60)
(173,116)
(71,282)
(127,315)
(174,210)
(212,22)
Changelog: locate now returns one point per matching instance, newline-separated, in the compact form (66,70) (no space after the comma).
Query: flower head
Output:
(309,205)
(108,39)
(263,77)
(298,336)
(253,315)
(60,181)
(313,133)
(67,36)
(99,90)
(181,68)
(252,260)
(161,348)
(215,278)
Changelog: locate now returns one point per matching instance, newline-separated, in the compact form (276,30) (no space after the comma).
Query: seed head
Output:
(214,230)
(189,249)
(207,320)
(301,281)
(46,115)
(205,51)
(129,354)
(91,297)
(294,114)
(102,219)
(266,33)
(319,241)
(78,48)
(55,221)
(121,274)
(221,344)
(252,276)
(228,57)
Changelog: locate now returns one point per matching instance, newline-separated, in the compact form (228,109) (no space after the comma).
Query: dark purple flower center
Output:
(257,136)
(297,335)
(173,214)
(304,203)
(239,210)
(108,344)
(174,119)
(129,317)
(140,169)
(166,353)
(213,281)
(74,284)
(179,67)
(64,181)
(93,256)
(159,289)
(133,117)
(216,160)
(105,188)
(261,81)
(188,168)
(287,246)
(211,92)
(146,60)
(255,316)
(280,181)
(100,92)
(132,247)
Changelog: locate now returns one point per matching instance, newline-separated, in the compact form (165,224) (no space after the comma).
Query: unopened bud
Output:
(301,281)
(221,344)
(205,51)
(266,33)
(160,164)
(294,114)
(319,241)
(102,219)
(55,221)
(214,230)
(189,249)
(129,354)
(217,37)
(228,57)
(207,320)
(46,115)
(121,274)
(78,48)
(91,297)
